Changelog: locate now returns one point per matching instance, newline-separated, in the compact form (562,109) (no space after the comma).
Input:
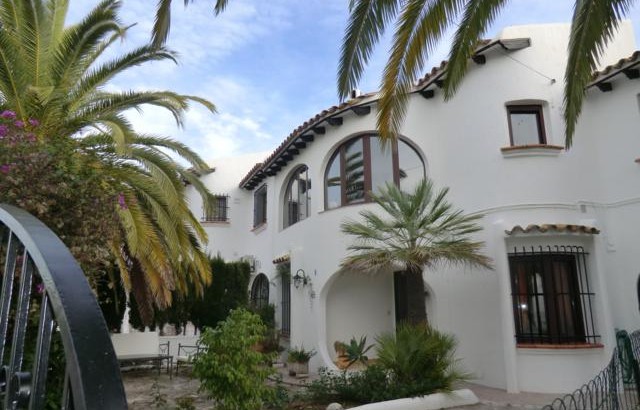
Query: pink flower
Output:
(40,288)
(19,124)
(5,168)
(121,201)
(10,115)
(33,122)
(4,130)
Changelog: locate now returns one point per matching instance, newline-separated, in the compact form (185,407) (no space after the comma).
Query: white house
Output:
(562,226)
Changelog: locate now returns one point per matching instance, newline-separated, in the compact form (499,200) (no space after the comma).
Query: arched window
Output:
(260,291)
(297,198)
(361,165)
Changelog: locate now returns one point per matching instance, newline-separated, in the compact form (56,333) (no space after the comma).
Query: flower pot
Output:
(297,368)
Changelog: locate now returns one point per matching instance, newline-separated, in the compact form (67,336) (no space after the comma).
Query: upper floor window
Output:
(552,296)
(526,125)
(296,198)
(219,210)
(260,206)
(361,165)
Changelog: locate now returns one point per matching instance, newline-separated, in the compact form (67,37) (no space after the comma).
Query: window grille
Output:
(552,297)
(260,291)
(219,211)
(285,277)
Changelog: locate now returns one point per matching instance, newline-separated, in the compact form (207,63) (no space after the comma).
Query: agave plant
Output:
(57,74)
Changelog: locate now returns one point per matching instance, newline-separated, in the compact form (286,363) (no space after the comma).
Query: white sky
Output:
(267,65)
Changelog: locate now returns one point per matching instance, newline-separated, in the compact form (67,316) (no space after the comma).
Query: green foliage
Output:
(415,361)
(267,313)
(419,358)
(367,386)
(227,292)
(300,355)
(185,403)
(356,351)
(229,369)
(159,399)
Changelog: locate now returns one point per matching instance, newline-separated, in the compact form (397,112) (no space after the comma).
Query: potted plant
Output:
(298,360)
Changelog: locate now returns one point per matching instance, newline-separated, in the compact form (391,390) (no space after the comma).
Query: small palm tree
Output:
(421,24)
(419,229)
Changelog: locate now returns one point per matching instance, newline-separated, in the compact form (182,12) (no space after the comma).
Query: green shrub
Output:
(419,358)
(299,355)
(356,351)
(229,369)
(414,361)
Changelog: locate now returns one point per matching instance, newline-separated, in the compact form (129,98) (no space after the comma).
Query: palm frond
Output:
(477,17)
(594,23)
(367,23)
(420,26)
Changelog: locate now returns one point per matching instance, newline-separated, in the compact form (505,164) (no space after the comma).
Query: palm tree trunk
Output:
(416,306)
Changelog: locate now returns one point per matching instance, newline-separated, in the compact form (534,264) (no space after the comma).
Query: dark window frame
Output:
(288,220)
(366,155)
(260,291)
(220,211)
(260,206)
(535,109)
(552,298)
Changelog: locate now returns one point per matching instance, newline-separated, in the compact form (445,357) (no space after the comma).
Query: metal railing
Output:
(617,387)
(47,310)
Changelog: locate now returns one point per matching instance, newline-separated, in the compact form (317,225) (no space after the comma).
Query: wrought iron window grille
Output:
(219,211)
(553,300)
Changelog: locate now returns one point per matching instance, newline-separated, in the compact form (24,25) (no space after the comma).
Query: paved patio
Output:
(147,389)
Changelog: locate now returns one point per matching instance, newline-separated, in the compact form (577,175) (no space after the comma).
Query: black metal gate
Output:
(617,387)
(45,298)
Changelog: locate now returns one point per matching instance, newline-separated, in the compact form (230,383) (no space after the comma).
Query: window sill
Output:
(210,223)
(537,150)
(259,228)
(577,346)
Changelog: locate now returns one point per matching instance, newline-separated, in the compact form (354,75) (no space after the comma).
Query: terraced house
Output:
(562,226)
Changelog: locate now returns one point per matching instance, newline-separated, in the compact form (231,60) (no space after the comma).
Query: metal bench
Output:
(39,271)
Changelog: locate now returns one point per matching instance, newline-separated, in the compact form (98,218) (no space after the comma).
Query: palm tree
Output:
(420,25)
(419,229)
(162,22)
(57,74)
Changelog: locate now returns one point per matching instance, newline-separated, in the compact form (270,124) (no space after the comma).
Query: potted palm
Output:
(298,360)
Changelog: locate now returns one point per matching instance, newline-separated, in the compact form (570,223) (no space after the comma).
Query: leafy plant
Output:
(159,398)
(366,386)
(185,403)
(356,351)
(420,358)
(300,355)
(229,369)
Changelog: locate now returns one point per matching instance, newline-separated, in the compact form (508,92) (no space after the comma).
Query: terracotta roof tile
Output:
(282,259)
(612,70)
(559,228)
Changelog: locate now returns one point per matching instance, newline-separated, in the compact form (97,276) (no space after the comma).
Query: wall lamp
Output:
(301,279)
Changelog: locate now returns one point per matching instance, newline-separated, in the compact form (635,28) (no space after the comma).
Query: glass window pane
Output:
(411,167)
(354,171)
(381,164)
(333,183)
(303,192)
(524,128)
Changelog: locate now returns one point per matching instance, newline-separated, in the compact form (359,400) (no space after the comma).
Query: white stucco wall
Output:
(595,183)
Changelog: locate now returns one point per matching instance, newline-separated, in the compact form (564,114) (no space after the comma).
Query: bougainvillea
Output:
(56,181)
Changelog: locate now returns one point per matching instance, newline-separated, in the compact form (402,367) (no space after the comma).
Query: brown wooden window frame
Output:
(553,301)
(366,150)
(528,109)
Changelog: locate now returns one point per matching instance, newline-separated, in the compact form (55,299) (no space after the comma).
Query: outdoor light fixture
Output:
(300,278)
